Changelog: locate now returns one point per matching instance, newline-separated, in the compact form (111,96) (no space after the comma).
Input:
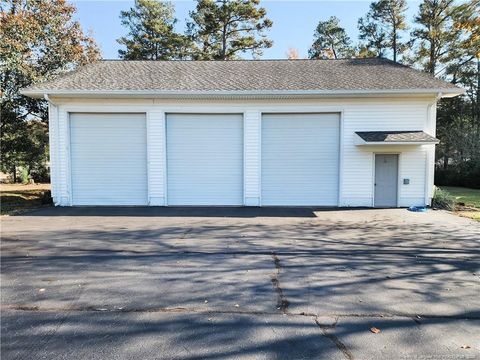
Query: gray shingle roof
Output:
(376,75)
(397,136)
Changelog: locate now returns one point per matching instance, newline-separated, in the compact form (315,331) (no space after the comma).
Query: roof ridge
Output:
(247,60)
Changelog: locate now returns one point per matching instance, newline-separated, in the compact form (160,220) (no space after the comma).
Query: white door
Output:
(300,156)
(205,159)
(386,180)
(108,159)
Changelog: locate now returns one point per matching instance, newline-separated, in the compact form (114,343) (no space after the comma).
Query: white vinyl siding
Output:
(156,157)
(108,159)
(356,162)
(413,167)
(63,169)
(204,159)
(54,152)
(252,136)
(300,156)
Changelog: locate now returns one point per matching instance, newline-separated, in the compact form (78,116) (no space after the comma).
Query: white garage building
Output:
(243,133)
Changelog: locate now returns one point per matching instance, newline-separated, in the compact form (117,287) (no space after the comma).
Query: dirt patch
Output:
(16,198)
(474,215)
(23,187)
(467,211)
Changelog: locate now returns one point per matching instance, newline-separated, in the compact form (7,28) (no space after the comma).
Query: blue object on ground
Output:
(417,208)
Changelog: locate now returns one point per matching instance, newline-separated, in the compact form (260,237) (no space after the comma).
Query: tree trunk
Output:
(224,42)
(477,112)
(478,93)
(431,66)
(394,43)
(14,173)
(224,32)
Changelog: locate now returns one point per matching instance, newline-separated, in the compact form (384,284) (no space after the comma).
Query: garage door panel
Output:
(205,159)
(108,159)
(300,155)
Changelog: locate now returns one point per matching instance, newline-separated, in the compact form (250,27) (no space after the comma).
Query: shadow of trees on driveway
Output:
(204,289)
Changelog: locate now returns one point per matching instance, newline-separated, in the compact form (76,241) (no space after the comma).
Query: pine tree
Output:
(151,33)
(374,40)
(225,29)
(382,27)
(330,41)
(435,36)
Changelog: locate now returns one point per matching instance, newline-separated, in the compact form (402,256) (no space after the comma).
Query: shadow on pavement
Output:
(153,211)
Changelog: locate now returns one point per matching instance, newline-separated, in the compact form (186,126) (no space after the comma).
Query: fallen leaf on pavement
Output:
(374,330)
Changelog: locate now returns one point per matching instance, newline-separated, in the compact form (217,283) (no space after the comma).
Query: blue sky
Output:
(293,21)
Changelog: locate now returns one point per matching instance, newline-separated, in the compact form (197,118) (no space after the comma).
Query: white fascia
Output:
(257,94)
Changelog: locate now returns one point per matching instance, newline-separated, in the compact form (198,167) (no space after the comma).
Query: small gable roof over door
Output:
(395,138)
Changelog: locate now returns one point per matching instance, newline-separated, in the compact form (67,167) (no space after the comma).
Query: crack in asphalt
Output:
(326,329)
(34,308)
(47,338)
(282,302)
(336,316)
(334,339)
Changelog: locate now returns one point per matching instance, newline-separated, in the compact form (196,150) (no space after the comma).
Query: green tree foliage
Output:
(458,119)
(224,29)
(373,40)
(463,61)
(458,154)
(381,28)
(38,41)
(151,33)
(435,36)
(330,41)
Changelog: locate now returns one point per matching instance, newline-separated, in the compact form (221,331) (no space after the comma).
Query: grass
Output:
(470,197)
(15,198)
(467,201)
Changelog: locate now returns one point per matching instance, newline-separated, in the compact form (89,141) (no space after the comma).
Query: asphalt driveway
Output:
(153,283)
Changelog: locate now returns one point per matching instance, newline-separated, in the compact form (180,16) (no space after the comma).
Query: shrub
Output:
(46,198)
(39,173)
(466,174)
(443,200)
(24,176)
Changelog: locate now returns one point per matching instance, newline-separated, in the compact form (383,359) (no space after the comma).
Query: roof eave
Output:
(392,143)
(448,92)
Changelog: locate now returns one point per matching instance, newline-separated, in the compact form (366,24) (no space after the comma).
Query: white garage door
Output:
(108,159)
(300,154)
(205,159)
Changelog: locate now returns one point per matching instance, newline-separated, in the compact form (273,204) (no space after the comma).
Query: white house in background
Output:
(254,133)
